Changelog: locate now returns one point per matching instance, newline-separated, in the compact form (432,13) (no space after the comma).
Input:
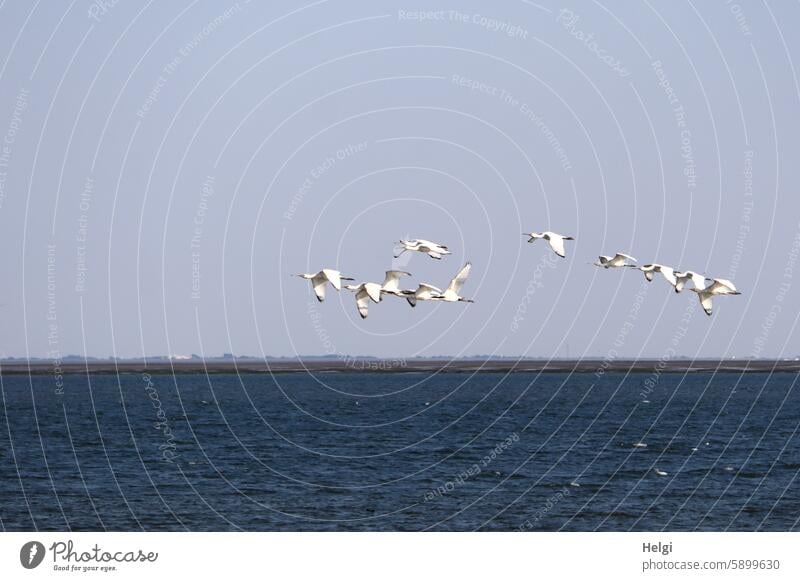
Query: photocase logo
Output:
(31,554)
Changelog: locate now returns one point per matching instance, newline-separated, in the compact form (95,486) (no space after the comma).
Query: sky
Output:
(166,167)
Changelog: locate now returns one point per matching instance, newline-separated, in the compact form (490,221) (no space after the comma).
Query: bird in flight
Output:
(320,279)
(556,240)
(452,294)
(650,271)
(391,284)
(718,286)
(697,279)
(432,249)
(616,261)
(365,292)
(453,290)
(424,292)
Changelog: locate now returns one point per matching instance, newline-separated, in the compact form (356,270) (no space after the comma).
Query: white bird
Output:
(698,280)
(321,278)
(556,240)
(718,286)
(432,249)
(428,292)
(424,292)
(615,261)
(364,292)
(650,270)
(660,472)
(391,284)
(453,290)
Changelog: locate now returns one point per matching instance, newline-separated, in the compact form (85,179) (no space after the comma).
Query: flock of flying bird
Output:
(372,291)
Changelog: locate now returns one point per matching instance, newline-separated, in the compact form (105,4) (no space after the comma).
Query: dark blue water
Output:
(400,452)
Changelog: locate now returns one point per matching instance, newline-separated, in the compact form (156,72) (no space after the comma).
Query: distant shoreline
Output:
(398,365)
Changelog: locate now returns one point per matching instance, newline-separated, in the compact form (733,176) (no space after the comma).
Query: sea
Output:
(469,451)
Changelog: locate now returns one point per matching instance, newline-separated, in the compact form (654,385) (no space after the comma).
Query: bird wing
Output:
(318,282)
(431,247)
(334,276)
(698,280)
(392,280)
(669,274)
(619,254)
(648,274)
(362,302)
(435,255)
(725,283)
(427,291)
(457,282)
(705,301)
(425,246)
(373,290)
(557,244)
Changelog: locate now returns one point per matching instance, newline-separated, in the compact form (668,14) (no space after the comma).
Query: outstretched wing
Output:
(625,256)
(459,280)
(334,276)
(669,274)
(410,296)
(725,284)
(373,291)
(410,244)
(362,302)
(426,292)
(392,280)
(557,244)
(435,255)
(705,301)
(318,282)
(698,280)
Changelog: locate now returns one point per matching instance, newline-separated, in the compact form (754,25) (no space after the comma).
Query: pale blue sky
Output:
(132,131)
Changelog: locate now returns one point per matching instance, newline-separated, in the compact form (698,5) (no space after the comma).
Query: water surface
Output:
(417,451)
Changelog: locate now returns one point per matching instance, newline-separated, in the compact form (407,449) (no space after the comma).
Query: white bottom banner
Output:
(372,556)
